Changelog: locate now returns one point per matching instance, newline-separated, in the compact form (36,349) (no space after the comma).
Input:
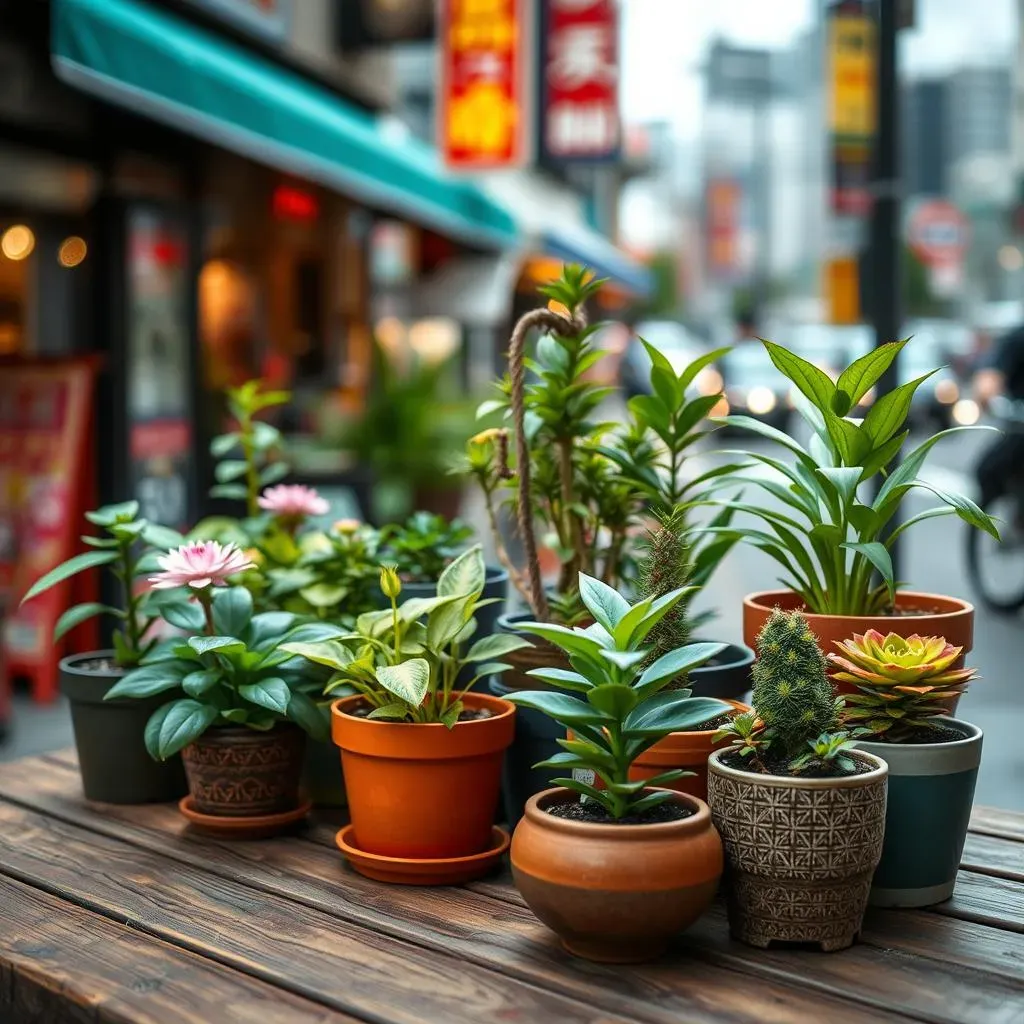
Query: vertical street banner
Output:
(579,115)
(851,61)
(46,485)
(484,113)
(722,203)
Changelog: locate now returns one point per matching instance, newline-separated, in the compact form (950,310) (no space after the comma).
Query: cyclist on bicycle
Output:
(1001,373)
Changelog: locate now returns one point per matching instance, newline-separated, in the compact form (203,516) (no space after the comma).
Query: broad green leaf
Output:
(561,707)
(162,536)
(268,626)
(174,726)
(889,413)
(663,377)
(265,435)
(77,564)
(146,681)
(812,382)
(409,681)
(765,430)
(878,555)
(195,684)
(964,507)
(880,458)
(393,712)
(416,607)
(325,652)
(222,444)
(232,610)
(80,613)
(659,608)
(603,602)
(614,699)
(624,660)
(864,373)
(563,637)
(689,375)
(661,714)
(274,473)
(465,575)
(272,693)
(122,512)
(863,519)
(234,491)
(313,632)
(850,441)
(323,595)
(672,664)
(650,412)
(445,623)
(845,480)
(931,513)
(450,716)
(184,615)
(230,469)
(496,646)
(209,644)
(623,631)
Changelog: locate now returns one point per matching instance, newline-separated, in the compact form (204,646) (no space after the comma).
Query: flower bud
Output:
(389,581)
(346,526)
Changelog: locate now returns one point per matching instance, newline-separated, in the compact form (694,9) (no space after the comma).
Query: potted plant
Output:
(420,549)
(241,723)
(112,757)
(576,851)
(421,754)
(800,812)
(831,538)
(905,688)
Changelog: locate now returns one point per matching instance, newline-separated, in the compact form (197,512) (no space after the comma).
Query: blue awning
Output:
(156,64)
(579,244)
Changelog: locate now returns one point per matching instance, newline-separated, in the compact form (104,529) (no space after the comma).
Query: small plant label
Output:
(586,775)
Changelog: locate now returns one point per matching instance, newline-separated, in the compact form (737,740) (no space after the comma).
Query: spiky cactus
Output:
(792,693)
(665,567)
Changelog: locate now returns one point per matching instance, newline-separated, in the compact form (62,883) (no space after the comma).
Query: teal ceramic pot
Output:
(931,790)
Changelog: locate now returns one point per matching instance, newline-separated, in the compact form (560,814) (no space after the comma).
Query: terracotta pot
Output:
(687,750)
(423,791)
(933,615)
(800,852)
(582,880)
(237,772)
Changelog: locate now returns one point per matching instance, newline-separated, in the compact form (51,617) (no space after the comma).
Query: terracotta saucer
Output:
(428,871)
(256,826)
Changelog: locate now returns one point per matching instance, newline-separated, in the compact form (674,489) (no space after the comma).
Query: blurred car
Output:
(678,344)
(753,386)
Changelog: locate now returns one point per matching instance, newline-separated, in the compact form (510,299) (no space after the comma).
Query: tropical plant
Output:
(833,536)
(904,685)
(233,670)
(794,725)
(405,661)
(423,545)
(624,707)
(129,548)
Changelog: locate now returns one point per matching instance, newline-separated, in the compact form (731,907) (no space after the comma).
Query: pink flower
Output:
(293,501)
(202,563)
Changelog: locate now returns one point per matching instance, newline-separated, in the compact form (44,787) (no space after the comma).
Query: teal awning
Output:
(161,66)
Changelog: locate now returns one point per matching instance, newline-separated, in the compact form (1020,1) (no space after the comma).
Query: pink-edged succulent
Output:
(904,684)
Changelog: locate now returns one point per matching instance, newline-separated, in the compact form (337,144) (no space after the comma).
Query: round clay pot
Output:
(726,676)
(687,750)
(582,879)
(800,851)
(921,613)
(236,772)
(423,791)
(931,790)
(110,737)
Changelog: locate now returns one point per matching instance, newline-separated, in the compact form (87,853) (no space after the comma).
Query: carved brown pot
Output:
(800,852)
(236,772)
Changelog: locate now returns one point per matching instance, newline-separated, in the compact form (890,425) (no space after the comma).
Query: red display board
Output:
(484,113)
(46,485)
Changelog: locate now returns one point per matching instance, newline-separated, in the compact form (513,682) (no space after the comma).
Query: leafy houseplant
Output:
(832,539)
(421,547)
(245,699)
(904,690)
(801,814)
(622,709)
(421,754)
(108,737)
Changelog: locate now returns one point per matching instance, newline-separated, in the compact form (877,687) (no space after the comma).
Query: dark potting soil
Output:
(716,723)
(780,766)
(98,665)
(594,813)
(468,714)
(939,734)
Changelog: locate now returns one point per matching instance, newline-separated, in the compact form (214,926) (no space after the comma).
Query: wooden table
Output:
(120,914)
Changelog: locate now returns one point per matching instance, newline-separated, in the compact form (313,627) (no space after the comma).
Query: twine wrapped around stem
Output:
(566,326)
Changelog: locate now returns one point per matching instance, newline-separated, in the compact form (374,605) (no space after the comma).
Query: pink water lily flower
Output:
(293,501)
(200,564)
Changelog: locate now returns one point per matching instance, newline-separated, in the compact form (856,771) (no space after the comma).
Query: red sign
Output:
(938,233)
(46,485)
(580,81)
(290,203)
(723,223)
(483,114)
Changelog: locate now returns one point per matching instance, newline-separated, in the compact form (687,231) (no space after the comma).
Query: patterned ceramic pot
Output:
(236,772)
(800,853)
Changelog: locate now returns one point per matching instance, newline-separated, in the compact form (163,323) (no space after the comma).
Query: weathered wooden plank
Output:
(986,899)
(505,937)
(60,963)
(993,855)
(357,971)
(994,821)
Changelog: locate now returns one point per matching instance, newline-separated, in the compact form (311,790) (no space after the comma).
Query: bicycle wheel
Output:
(996,568)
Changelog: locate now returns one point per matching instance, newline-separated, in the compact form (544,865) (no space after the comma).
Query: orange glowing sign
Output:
(484,117)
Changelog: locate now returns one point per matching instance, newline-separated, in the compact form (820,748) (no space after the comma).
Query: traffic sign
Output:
(938,232)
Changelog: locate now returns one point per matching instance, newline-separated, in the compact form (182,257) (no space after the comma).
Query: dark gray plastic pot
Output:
(931,790)
(322,778)
(726,676)
(109,736)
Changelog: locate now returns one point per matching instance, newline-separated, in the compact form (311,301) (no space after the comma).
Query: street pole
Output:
(886,218)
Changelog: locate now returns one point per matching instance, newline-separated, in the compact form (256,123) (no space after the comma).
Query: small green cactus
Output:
(666,566)
(792,693)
